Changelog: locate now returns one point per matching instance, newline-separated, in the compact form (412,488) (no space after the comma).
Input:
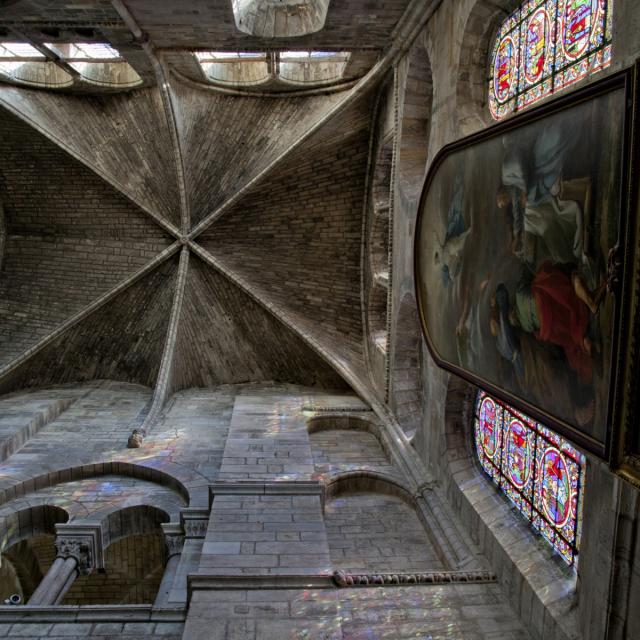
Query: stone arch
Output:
(134,558)
(415,124)
(30,521)
(406,382)
(20,573)
(96,470)
(343,421)
(374,526)
(121,523)
(133,573)
(377,230)
(368,481)
(343,443)
(479,32)
(506,540)
(27,546)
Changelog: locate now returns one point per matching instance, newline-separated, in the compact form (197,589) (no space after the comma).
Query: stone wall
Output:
(458,40)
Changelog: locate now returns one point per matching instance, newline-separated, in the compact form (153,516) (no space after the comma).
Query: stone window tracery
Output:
(545,46)
(540,472)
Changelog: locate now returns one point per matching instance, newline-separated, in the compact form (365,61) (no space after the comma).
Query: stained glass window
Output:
(540,472)
(545,46)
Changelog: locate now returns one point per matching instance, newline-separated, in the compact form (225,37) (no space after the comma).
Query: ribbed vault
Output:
(123,137)
(70,237)
(227,143)
(103,278)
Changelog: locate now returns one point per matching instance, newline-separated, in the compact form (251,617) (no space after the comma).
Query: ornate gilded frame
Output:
(625,431)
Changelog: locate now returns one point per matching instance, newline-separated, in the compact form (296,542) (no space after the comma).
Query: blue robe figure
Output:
(449,257)
(506,338)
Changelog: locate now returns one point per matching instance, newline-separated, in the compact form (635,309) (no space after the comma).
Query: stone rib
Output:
(262,175)
(354,375)
(110,179)
(168,105)
(166,366)
(170,113)
(414,18)
(94,306)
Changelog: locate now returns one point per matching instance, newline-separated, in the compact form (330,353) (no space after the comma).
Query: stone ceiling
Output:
(269,221)
(176,237)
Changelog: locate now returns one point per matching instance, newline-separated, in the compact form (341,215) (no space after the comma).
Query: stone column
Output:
(174,542)
(79,551)
(73,558)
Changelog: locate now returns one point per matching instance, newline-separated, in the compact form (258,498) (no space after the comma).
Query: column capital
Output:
(83,542)
(194,521)
(173,538)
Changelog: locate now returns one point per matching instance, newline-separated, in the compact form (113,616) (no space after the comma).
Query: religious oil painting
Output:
(516,232)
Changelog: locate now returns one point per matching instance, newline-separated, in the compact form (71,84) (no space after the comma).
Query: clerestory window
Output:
(97,63)
(307,68)
(53,65)
(23,63)
(545,46)
(539,471)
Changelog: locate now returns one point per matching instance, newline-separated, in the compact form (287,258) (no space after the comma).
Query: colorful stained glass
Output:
(518,454)
(577,19)
(536,46)
(504,73)
(543,47)
(538,470)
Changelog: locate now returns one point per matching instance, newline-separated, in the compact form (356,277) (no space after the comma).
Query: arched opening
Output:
(373,527)
(133,568)
(406,383)
(346,443)
(475,54)
(416,122)
(377,268)
(134,560)
(23,566)
(28,549)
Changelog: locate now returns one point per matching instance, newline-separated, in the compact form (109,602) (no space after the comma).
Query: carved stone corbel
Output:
(173,538)
(194,522)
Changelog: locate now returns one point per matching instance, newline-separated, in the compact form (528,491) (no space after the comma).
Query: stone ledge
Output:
(196,582)
(249,487)
(194,521)
(343,579)
(92,613)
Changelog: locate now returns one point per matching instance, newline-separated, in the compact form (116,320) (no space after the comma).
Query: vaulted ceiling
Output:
(176,237)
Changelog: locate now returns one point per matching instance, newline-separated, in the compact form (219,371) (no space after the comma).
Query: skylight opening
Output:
(96,62)
(280,18)
(312,67)
(22,62)
(19,50)
(308,55)
(241,68)
(234,56)
(86,51)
